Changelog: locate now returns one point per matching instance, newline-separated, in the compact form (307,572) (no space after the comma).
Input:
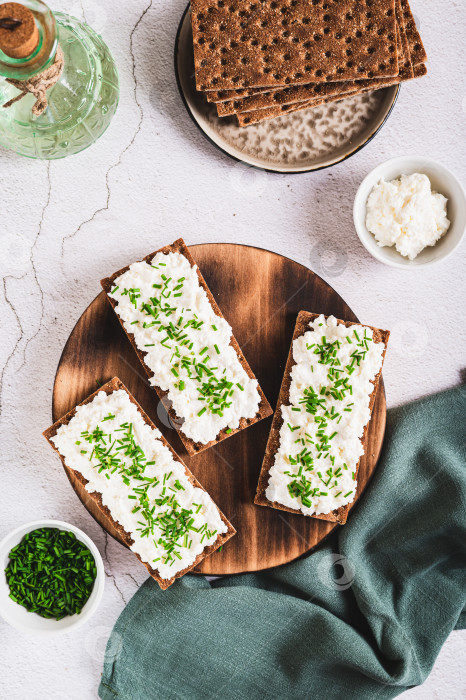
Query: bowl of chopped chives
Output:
(52,577)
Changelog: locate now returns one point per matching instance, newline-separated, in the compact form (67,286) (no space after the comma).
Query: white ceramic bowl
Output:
(29,622)
(443,181)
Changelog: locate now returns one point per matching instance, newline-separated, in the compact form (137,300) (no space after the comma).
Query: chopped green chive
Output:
(51,572)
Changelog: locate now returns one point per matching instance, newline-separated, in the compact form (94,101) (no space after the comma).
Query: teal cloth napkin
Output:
(364,616)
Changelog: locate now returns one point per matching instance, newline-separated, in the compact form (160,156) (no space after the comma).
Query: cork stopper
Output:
(19,34)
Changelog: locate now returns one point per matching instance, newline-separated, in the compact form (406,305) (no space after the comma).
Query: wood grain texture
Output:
(260,294)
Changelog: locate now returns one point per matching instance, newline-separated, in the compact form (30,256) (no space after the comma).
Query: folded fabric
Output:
(364,616)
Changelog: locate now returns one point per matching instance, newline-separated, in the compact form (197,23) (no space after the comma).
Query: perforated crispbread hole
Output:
(291,30)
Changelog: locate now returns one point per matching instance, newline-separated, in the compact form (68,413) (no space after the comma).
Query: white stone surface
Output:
(151,178)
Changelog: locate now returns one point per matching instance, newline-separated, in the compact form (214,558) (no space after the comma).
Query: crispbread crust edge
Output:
(111,386)
(338,515)
(191,447)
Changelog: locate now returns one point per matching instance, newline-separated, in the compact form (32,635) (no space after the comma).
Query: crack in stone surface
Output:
(132,578)
(112,577)
(106,545)
(83,12)
(34,270)
(21,333)
(109,574)
(138,129)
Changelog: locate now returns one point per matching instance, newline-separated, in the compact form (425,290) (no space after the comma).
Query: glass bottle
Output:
(80,105)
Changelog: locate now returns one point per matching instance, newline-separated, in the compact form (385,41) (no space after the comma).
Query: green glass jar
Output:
(80,105)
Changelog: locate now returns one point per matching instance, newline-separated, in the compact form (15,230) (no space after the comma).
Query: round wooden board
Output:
(260,294)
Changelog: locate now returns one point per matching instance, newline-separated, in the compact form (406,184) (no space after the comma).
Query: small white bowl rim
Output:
(89,608)
(374,175)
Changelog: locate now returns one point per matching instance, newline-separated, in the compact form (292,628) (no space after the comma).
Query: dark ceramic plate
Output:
(294,143)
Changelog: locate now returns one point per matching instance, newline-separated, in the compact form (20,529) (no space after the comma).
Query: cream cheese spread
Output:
(145,488)
(405,213)
(314,470)
(187,345)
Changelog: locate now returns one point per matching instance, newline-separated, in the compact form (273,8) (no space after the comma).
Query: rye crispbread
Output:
(302,325)
(337,90)
(255,116)
(256,102)
(293,95)
(407,70)
(191,447)
(114,385)
(259,115)
(409,41)
(239,44)
(287,96)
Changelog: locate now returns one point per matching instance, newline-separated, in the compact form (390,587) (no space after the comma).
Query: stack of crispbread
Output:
(259,59)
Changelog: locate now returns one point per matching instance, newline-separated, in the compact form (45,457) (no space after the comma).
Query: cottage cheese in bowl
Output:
(418,203)
(406,213)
